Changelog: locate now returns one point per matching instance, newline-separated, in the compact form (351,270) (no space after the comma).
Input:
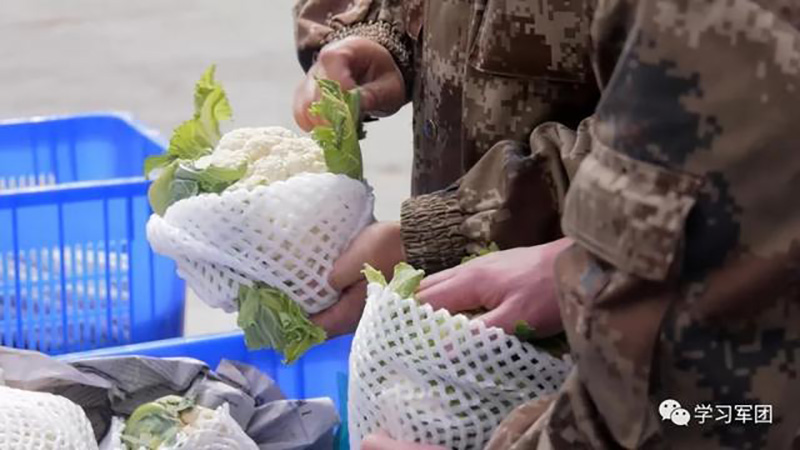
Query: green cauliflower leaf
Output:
(211,179)
(483,251)
(270,319)
(374,275)
(175,177)
(406,280)
(339,137)
(556,345)
(156,423)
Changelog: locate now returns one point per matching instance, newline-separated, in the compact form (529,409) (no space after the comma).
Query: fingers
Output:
(305,94)
(469,267)
(505,317)
(353,62)
(336,62)
(347,268)
(380,245)
(381,441)
(538,307)
(375,72)
(383,93)
(333,63)
(343,316)
(456,292)
(437,278)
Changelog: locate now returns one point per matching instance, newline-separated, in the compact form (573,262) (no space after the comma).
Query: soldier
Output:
(468,107)
(683,281)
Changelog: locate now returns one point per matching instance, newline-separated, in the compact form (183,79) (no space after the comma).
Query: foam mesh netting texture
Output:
(214,430)
(287,234)
(211,430)
(432,377)
(42,421)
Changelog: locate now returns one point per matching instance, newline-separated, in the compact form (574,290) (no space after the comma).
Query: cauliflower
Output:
(269,271)
(173,423)
(425,375)
(42,421)
(244,145)
(269,153)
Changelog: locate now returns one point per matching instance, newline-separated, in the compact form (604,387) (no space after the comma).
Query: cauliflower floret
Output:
(271,154)
(244,145)
(301,155)
(287,159)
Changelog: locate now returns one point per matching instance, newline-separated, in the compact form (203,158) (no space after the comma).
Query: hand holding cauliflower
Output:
(256,218)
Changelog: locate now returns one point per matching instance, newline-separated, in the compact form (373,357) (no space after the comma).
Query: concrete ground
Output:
(62,57)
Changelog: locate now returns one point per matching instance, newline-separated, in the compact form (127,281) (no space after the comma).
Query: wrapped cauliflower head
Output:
(176,423)
(432,377)
(255,219)
(42,421)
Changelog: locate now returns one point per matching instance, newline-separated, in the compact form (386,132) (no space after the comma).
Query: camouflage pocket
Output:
(612,320)
(530,40)
(629,213)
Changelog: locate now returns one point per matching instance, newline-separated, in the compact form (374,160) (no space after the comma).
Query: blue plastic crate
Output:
(319,373)
(76,271)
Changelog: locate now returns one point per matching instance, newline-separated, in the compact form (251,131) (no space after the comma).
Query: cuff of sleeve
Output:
(431,231)
(385,34)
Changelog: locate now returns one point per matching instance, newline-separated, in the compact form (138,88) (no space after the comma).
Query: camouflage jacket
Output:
(685,280)
(480,82)
(681,195)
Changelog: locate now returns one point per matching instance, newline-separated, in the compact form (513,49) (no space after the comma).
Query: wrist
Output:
(383,34)
(431,231)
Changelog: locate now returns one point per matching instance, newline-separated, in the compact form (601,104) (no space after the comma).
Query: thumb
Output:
(332,64)
(343,316)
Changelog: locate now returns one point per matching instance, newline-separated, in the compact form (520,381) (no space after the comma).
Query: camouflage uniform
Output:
(474,92)
(684,282)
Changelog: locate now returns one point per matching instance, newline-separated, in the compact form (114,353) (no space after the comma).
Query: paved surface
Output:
(61,57)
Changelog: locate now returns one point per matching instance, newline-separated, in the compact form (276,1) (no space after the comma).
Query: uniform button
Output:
(429,130)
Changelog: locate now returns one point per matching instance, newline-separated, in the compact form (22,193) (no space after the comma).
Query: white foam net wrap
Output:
(213,430)
(41,421)
(286,234)
(113,438)
(431,377)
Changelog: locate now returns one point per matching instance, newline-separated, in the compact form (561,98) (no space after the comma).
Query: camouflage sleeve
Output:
(387,22)
(687,246)
(512,197)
